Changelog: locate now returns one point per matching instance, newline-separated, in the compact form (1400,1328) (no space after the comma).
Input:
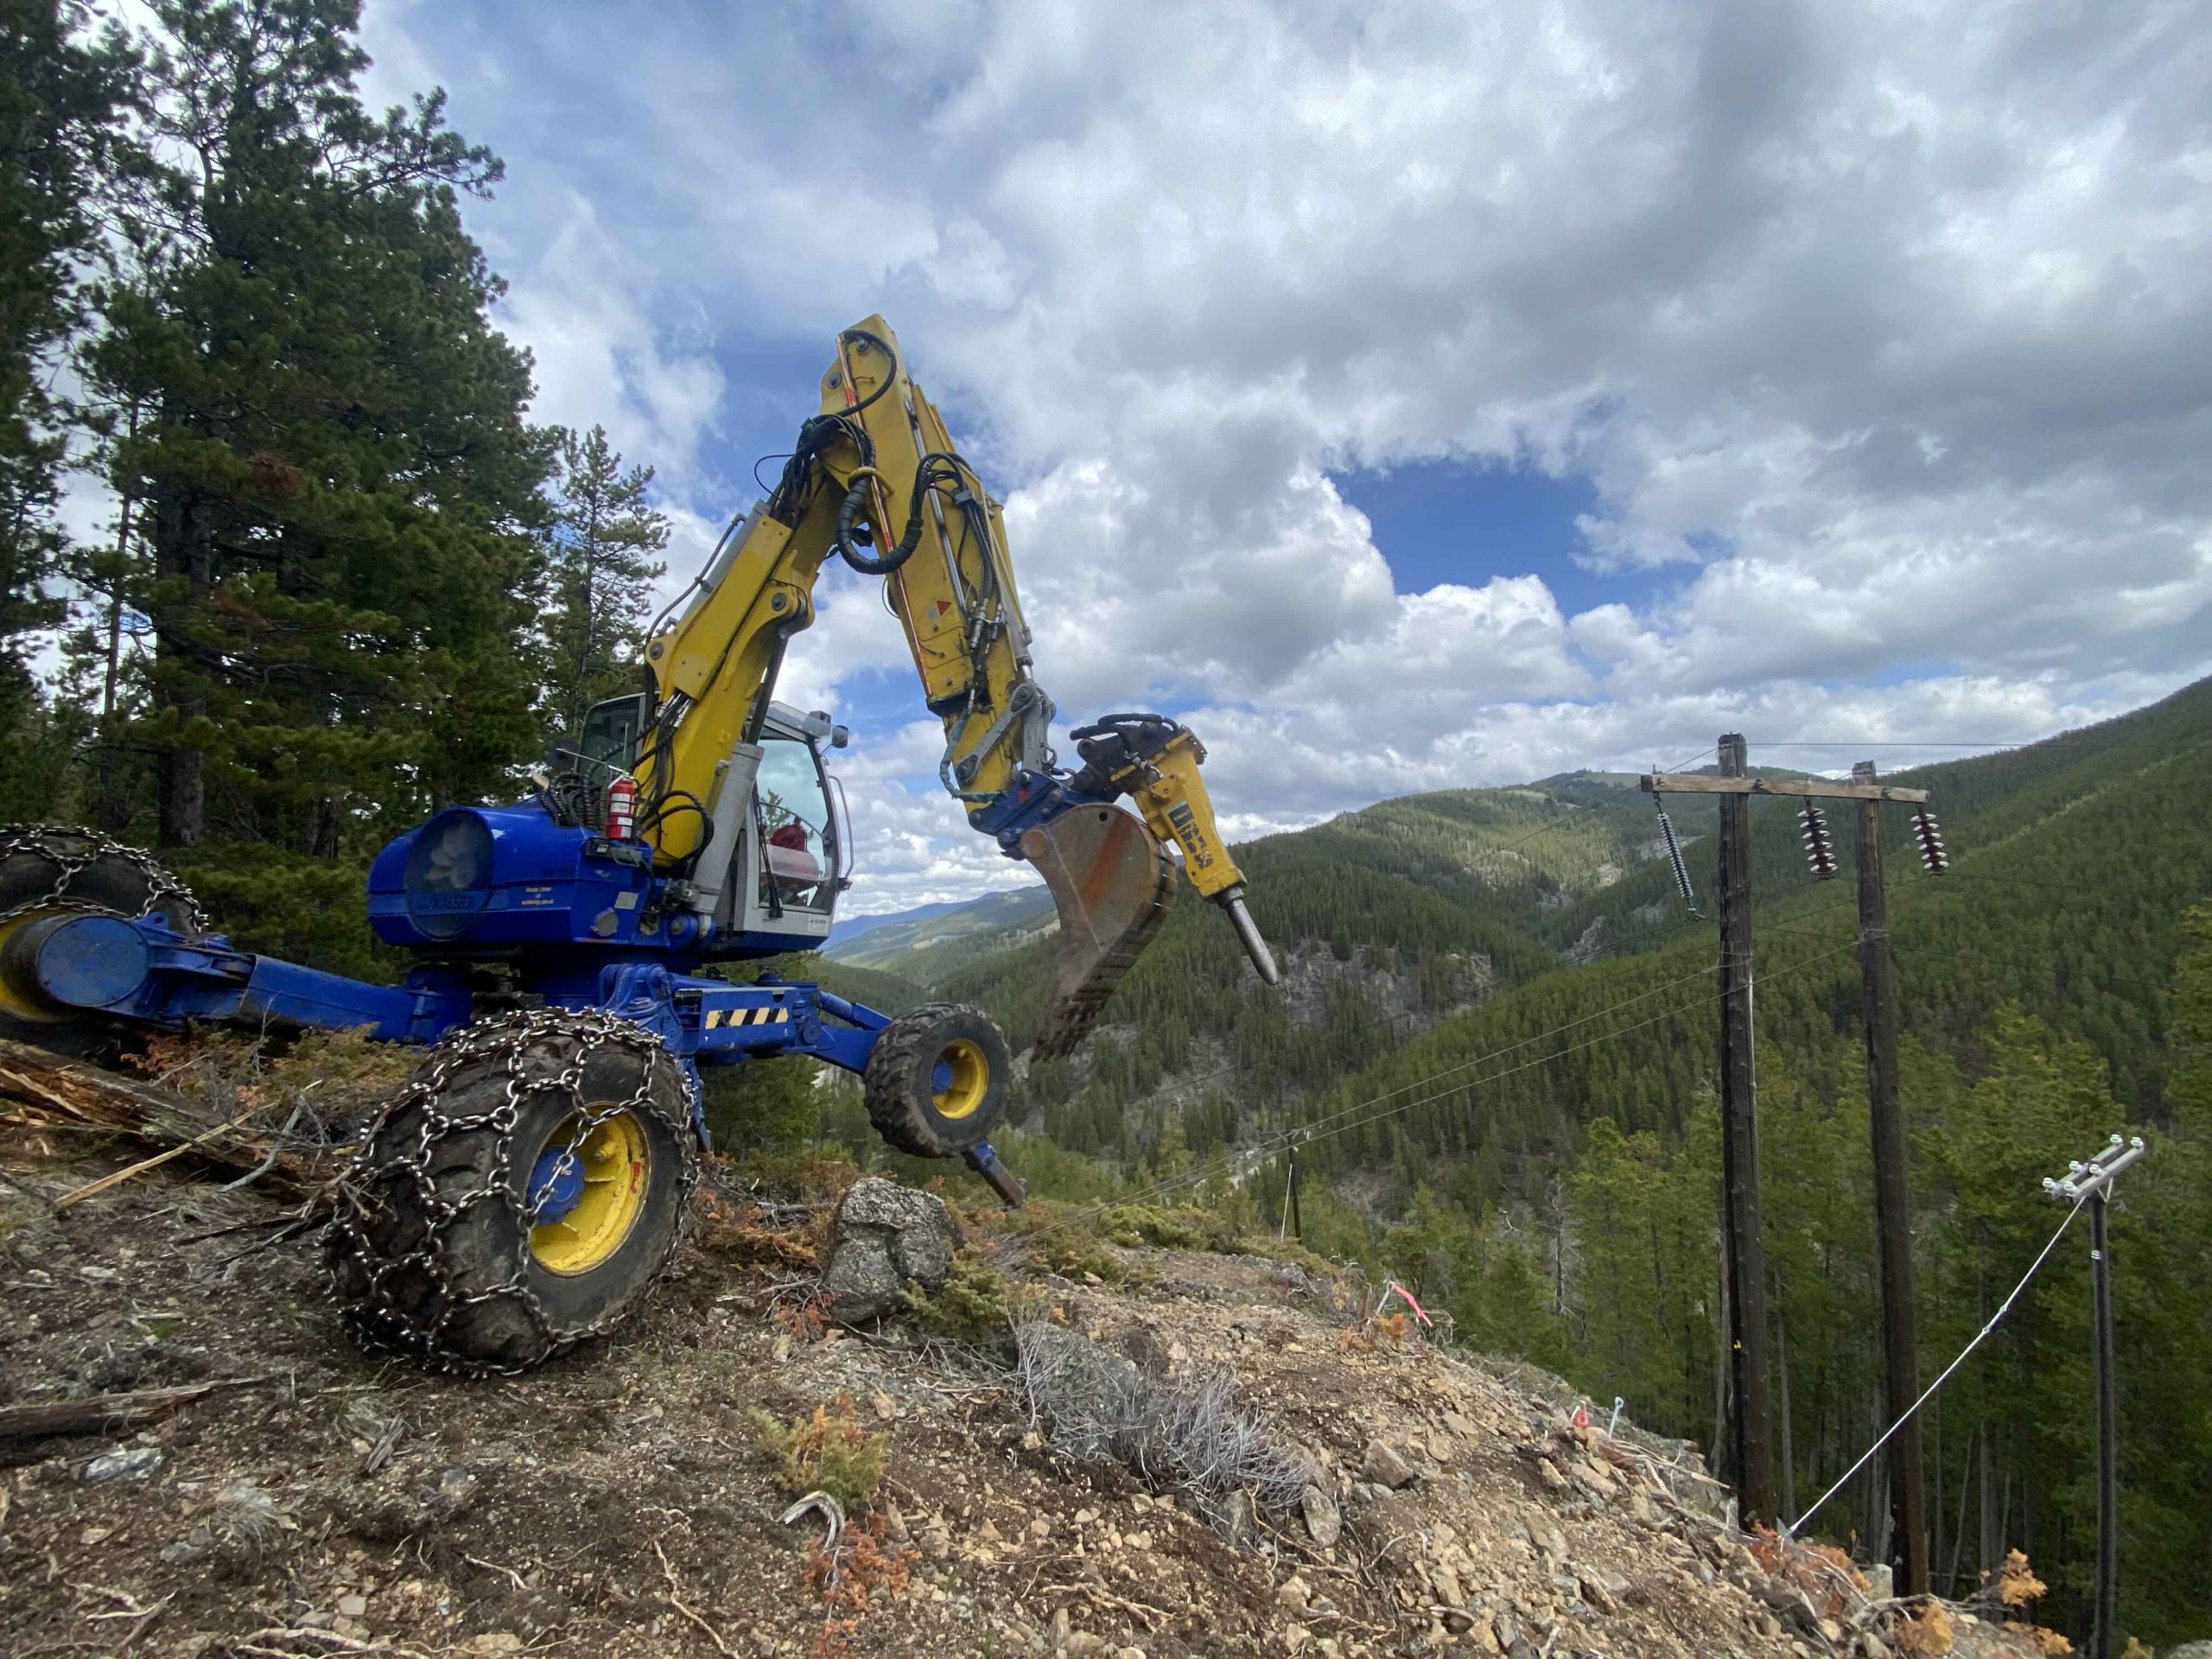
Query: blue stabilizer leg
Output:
(985,1162)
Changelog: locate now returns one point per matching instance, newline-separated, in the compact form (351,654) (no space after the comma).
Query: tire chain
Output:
(374,1321)
(165,893)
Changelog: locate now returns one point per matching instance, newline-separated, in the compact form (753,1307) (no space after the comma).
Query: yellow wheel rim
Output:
(617,1165)
(20,1002)
(970,1078)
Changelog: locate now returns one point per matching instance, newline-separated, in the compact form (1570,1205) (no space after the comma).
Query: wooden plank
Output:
(1818,789)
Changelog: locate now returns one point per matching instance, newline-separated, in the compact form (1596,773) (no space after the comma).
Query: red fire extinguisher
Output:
(621,808)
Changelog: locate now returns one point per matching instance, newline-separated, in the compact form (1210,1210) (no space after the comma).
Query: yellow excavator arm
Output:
(876,479)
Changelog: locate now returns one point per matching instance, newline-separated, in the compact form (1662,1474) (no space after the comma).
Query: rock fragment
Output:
(1382,1465)
(1324,1520)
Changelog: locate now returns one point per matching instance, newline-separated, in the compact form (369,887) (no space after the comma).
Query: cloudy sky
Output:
(1413,395)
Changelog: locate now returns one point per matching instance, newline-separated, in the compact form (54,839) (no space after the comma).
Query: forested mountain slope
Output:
(2074,859)
(1544,1165)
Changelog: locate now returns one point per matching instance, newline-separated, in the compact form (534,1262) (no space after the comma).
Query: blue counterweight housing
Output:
(496,881)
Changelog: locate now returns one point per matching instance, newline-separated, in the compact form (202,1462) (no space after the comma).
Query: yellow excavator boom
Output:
(876,479)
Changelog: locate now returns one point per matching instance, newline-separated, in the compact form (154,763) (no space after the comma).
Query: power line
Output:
(1791,1530)
(2082,740)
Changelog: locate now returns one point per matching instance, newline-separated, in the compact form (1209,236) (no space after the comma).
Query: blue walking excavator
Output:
(521,1191)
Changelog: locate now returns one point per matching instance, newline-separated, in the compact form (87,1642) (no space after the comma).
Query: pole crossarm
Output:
(2083,1180)
(1819,789)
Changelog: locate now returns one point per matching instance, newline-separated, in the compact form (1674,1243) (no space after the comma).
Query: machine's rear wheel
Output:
(519,1196)
(937,1079)
(48,870)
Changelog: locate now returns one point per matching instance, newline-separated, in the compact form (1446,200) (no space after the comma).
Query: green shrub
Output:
(978,1304)
(1183,1228)
(826,1451)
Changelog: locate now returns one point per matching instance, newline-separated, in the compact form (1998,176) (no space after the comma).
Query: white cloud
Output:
(1885,334)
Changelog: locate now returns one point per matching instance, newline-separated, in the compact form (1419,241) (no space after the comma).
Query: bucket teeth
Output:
(1112,881)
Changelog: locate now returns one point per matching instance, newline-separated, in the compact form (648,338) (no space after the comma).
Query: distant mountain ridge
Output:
(849,928)
(893,942)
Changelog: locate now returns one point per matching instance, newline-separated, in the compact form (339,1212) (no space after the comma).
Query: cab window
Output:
(793,816)
(611,731)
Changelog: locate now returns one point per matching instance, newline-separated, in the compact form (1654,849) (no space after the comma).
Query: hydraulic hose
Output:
(849,514)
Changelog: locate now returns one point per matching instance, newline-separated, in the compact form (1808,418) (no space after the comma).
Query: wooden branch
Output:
(77,1092)
(145,1164)
(104,1413)
(1819,789)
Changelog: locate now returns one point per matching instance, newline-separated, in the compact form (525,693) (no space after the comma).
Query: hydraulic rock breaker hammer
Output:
(1109,874)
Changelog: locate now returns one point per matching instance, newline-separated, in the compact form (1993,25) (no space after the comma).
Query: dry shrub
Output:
(2019,1588)
(827,1451)
(805,1320)
(1172,1433)
(2017,1584)
(1926,1632)
(747,1237)
(847,1577)
(1821,1571)
(312,1090)
(809,1178)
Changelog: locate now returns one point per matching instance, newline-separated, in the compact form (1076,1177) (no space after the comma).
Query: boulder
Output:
(885,1235)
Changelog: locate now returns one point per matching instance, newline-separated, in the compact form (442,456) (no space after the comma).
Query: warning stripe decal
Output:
(717,1018)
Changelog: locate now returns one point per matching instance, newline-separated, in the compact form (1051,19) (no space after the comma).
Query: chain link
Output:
(72,851)
(374,1312)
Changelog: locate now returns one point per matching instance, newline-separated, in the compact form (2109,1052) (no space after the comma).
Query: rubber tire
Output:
(110,885)
(899,1087)
(424,1309)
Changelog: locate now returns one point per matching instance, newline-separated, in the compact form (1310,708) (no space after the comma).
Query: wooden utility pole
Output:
(1752,1422)
(1892,1213)
(1750,1441)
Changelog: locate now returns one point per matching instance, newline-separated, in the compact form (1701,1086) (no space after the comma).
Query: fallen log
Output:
(51,1089)
(104,1414)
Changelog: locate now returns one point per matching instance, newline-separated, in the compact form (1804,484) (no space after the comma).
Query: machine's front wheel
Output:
(519,1196)
(50,870)
(937,1079)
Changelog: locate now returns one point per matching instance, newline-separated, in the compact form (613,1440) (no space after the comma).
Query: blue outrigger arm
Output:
(137,968)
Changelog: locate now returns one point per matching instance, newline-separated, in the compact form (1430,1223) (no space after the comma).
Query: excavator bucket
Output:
(1113,882)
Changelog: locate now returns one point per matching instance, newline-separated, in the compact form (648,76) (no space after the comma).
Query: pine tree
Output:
(339,488)
(600,549)
(59,95)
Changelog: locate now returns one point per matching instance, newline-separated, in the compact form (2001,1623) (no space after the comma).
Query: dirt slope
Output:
(617,1502)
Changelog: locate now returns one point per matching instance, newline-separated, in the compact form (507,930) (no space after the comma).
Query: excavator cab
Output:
(780,850)
(780,842)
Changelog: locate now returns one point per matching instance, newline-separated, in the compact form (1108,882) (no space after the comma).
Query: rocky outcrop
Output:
(884,1236)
